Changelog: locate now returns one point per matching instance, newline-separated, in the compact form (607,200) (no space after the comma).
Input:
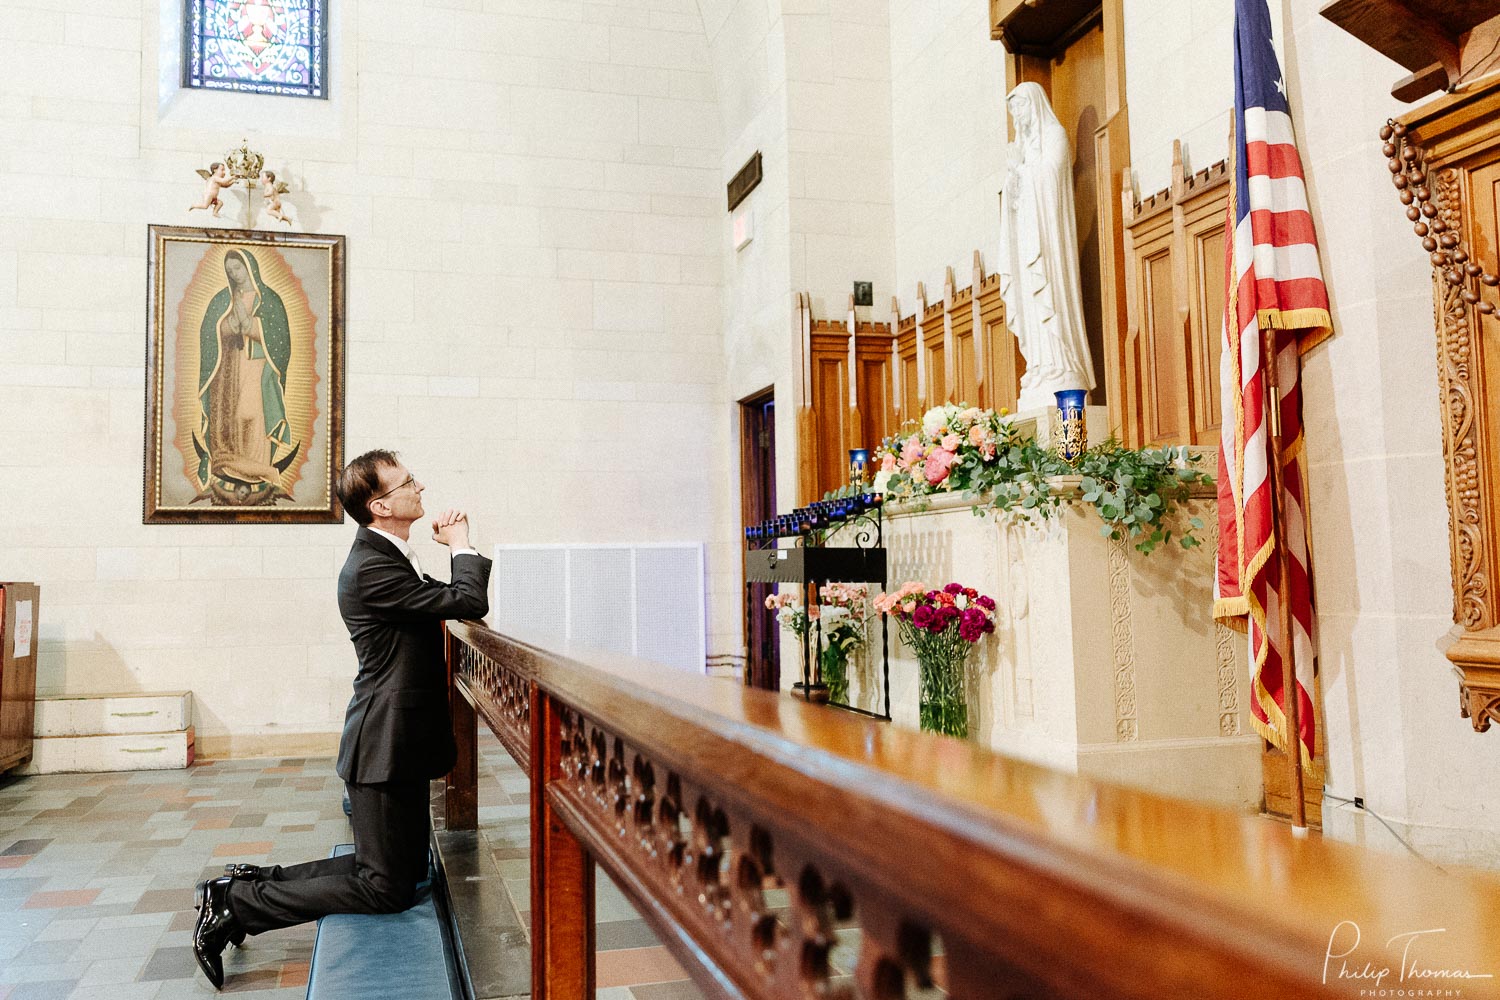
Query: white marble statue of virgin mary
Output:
(1039,254)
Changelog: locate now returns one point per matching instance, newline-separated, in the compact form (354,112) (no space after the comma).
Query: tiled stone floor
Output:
(96,876)
(96,880)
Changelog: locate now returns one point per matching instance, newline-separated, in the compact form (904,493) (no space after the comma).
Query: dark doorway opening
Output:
(758,503)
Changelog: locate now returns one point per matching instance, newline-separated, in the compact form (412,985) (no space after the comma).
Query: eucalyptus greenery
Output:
(1134,491)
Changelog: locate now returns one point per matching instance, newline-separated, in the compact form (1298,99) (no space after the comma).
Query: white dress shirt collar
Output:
(395,540)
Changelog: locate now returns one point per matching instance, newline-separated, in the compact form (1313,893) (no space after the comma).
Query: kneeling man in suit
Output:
(398,734)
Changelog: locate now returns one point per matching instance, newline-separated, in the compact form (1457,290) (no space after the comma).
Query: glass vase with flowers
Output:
(842,612)
(941,627)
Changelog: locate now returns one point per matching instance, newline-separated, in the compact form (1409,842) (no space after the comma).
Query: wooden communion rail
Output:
(765,839)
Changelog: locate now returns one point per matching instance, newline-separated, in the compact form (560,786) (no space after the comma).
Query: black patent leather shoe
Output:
(215,928)
(242,873)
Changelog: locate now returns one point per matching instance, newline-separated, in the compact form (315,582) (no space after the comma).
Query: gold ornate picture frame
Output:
(244,377)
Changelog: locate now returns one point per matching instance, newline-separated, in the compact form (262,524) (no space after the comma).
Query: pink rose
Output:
(951,442)
(938,464)
(888,463)
(911,452)
(976,435)
(987,450)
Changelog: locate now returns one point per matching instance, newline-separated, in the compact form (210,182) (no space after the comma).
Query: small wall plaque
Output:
(745,181)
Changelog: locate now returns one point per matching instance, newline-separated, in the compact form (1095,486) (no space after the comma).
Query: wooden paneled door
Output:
(758,503)
(1160,333)
(877,407)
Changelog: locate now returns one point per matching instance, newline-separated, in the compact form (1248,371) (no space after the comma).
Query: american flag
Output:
(1273,285)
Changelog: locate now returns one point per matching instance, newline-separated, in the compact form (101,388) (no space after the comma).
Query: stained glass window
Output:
(260,46)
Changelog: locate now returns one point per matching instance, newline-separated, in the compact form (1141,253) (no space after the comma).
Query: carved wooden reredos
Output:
(860,381)
(1458,141)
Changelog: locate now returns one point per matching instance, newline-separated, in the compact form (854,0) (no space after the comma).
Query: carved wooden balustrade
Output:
(786,850)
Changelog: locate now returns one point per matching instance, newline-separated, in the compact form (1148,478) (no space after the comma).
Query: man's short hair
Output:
(360,482)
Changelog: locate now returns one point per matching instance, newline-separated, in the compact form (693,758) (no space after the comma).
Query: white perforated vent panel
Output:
(643,600)
(599,599)
(530,592)
(669,605)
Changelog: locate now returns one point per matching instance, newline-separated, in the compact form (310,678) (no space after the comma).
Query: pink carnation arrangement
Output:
(941,627)
(934,612)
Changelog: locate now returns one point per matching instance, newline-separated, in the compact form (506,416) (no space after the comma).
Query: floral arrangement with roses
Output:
(947,452)
(964,449)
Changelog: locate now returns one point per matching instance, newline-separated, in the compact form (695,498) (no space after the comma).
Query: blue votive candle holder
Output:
(1073,433)
(859,460)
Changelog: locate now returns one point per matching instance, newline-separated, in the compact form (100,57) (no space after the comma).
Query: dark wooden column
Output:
(461,794)
(562,874)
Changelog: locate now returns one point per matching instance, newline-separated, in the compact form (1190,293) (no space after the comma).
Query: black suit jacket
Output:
(398,727)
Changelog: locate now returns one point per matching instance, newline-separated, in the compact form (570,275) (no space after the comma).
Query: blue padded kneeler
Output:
(394,956)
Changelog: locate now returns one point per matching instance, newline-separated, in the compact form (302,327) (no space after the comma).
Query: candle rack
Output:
(810,563)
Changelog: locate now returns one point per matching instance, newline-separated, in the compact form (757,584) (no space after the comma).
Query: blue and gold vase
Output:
(1073,432)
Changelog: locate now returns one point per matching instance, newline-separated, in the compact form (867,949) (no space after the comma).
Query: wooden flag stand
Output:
(1290,698)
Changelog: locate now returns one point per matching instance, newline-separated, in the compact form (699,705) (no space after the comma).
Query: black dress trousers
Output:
(391,829)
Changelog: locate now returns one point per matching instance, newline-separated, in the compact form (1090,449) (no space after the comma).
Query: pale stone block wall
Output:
(839,93)
(1179,84)
(532,197)
(949,136)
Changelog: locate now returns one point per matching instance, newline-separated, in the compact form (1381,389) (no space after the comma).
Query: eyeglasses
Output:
(409,481)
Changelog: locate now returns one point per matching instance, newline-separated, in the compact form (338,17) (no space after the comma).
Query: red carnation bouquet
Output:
(941,627)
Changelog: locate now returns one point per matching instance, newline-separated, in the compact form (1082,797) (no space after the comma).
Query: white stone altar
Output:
(1104,662)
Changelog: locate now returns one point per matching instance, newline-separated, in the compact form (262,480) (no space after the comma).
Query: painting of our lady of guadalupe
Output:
(245,395)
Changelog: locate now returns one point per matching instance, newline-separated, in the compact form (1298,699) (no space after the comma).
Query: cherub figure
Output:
(274,189)
(216,178)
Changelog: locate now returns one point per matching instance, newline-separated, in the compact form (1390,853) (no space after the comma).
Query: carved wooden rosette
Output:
(1443,159)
